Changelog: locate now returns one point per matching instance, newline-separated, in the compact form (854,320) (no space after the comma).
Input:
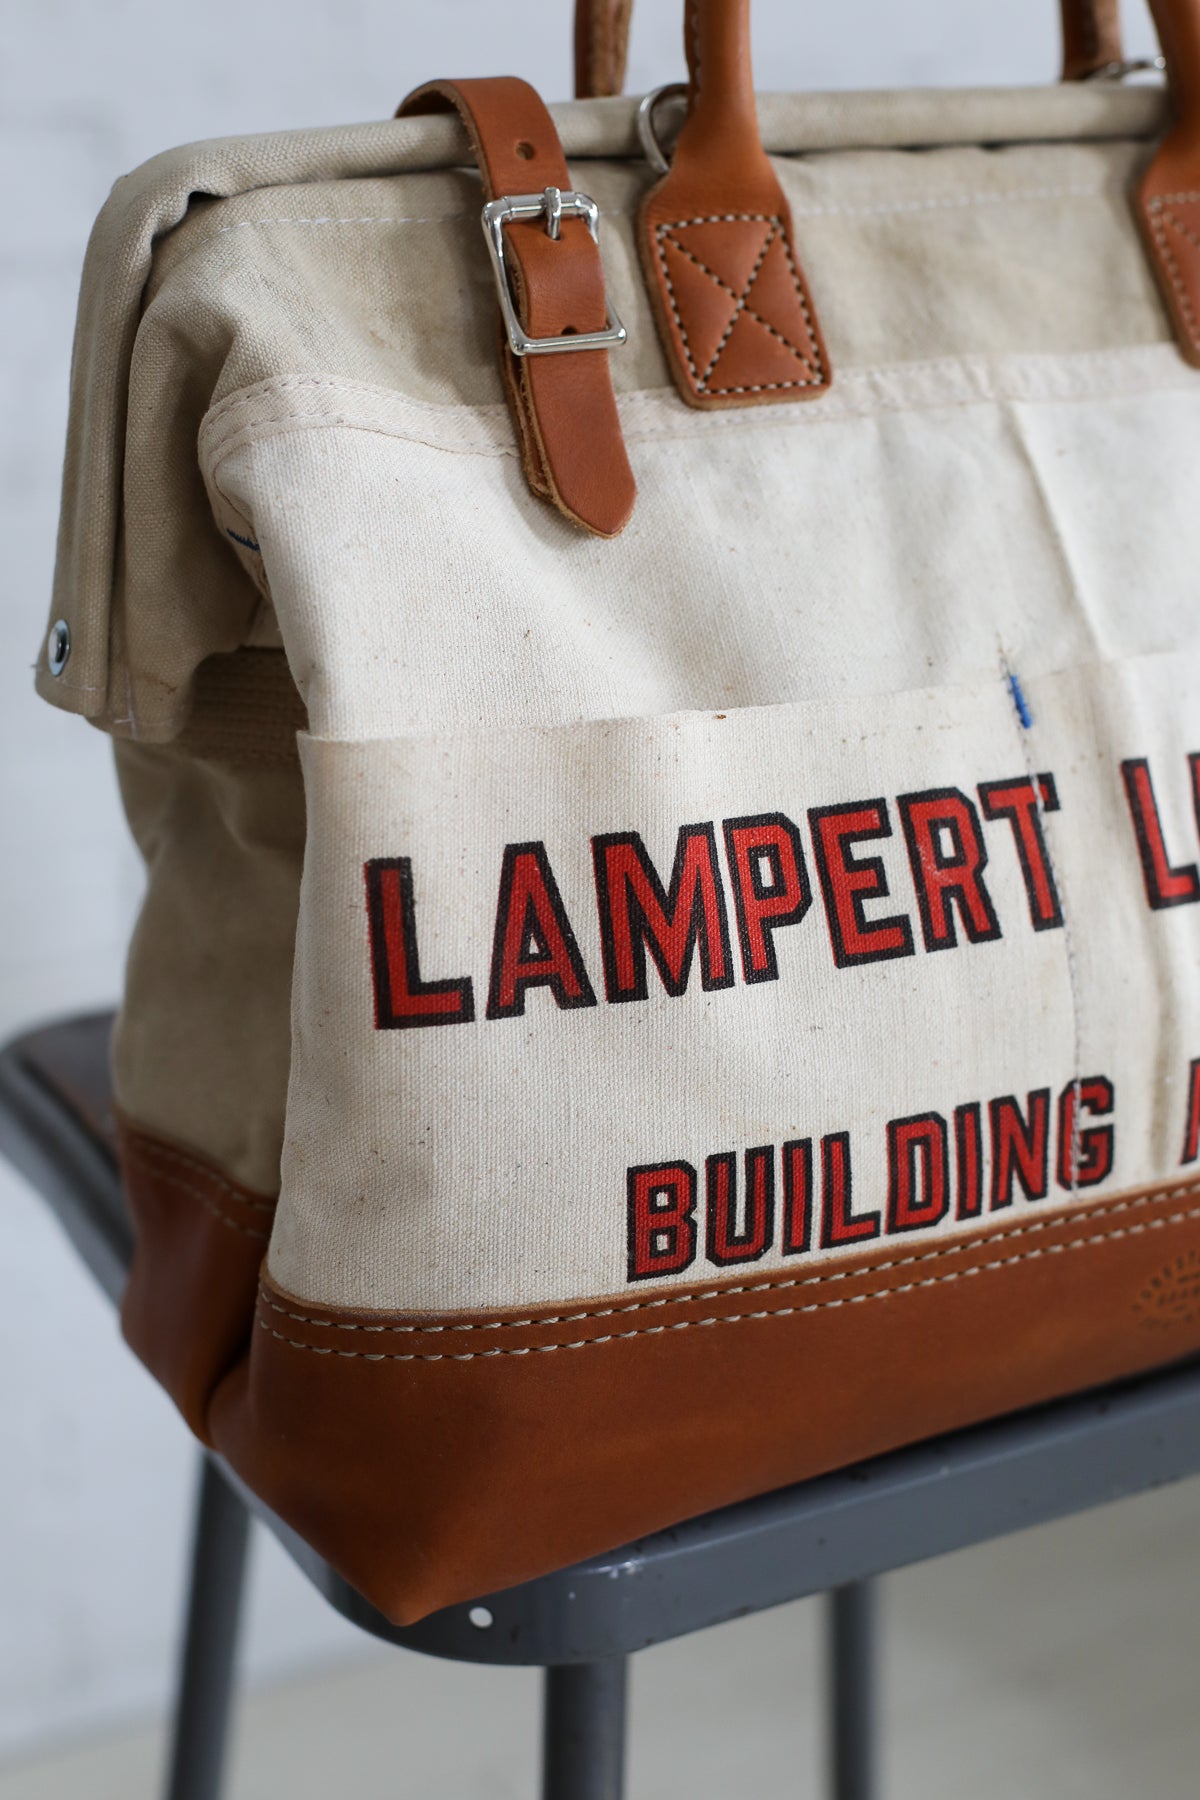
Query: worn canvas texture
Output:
(815,864)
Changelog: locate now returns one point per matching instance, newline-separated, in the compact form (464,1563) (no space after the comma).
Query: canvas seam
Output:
(729,421)
(782,1312)
(1068,933)
(262,429)
(950,202)
(684,1296)
(936,203)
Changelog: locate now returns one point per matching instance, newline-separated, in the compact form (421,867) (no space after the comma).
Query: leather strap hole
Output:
(525,150)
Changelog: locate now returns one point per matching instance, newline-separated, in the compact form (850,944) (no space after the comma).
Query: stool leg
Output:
(583,1731)
(205,1688)
(852,1691)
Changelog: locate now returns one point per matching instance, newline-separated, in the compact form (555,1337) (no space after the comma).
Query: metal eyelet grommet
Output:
(58,647)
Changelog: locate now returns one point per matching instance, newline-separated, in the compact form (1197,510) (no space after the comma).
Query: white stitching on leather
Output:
(683,1296)
(817,379)
(151,1150)
(1182,229)
(742,305)
(1158,218)
(173,1179)
(782,1312)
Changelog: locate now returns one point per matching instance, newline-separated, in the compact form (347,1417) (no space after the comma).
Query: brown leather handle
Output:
(1091,31)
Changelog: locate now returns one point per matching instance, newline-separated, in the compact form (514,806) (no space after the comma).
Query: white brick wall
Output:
(96,1467)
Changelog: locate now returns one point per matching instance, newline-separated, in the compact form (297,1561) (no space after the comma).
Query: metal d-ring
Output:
(652,150)
(1137,65)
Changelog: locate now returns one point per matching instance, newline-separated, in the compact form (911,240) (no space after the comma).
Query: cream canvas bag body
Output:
(641,1000)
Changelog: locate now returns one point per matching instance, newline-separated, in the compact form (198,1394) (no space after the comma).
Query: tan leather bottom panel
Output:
(434,1461)
(199,1242)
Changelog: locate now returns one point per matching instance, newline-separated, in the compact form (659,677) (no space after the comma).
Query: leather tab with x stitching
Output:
(734,310)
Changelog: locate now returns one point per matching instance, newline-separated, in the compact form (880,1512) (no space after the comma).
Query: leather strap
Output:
(1168,203)
(601,46)
(1091,31)
(734,311)
(1091,37)
(563,405)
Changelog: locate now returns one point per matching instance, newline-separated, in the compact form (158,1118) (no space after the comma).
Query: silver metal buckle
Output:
(553,205)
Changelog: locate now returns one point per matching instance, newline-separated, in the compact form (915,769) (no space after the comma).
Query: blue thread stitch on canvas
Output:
(248,542)
(1019,701)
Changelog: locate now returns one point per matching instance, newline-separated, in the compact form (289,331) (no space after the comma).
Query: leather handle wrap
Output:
(563,405)
(1091,36)
(734,310)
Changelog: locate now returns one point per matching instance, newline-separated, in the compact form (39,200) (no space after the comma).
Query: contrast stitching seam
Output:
(172,1179)
(151,1150)
(1005,1235)
(1156,215)
(261,429)
(947,202)
(175,1180)
(335,219)
(1073,985)
(802,417)
(773,219)
(940,202)
(935,204)
(1182,229)
(782,1312)
(742,304)
(285,383)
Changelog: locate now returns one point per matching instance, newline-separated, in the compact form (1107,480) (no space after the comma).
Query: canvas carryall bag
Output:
(644,997)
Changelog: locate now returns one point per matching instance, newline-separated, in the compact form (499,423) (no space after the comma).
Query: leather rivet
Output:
(58,646)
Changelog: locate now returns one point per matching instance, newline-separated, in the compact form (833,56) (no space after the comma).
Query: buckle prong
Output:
(553,204)
(553,199)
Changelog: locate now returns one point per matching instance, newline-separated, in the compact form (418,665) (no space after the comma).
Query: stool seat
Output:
(56,1124)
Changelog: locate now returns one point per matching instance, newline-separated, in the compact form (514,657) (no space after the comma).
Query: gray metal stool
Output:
(581,1625)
